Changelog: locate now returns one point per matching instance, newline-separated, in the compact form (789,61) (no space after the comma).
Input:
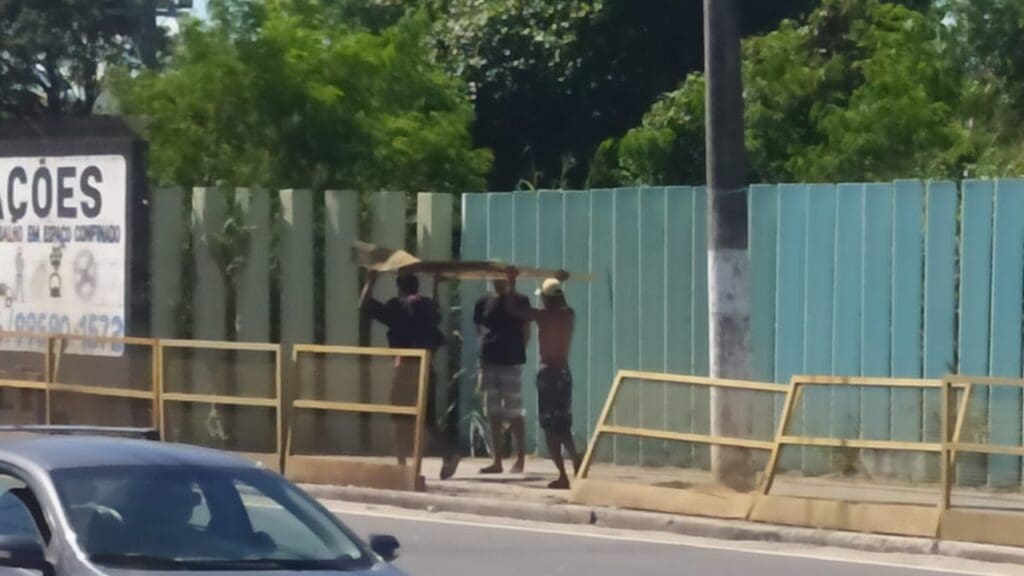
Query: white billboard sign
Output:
(63,249)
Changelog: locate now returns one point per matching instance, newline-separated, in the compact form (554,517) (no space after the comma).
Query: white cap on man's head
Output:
(550,287)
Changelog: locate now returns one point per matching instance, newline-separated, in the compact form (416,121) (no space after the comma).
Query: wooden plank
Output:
(576,255)
(1005,340)
(473,247)
(653,395)
(819,258)
(626,311)
(876,321)
(168,253)
(525,247)
(764,214)
(789,299)
(907,293)
(602,366)
(848,306)
(939,299)
(975,314)
(679,254)
(701,398)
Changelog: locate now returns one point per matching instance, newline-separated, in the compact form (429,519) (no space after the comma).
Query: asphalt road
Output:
(436,545)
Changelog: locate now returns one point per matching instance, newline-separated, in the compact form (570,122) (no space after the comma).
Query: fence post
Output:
(209,296)
(434,223)
(252,310)
(341,309)
(388,218)
(296,256)
(168,260)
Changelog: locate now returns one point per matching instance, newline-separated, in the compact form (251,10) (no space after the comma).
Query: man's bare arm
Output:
(364,296)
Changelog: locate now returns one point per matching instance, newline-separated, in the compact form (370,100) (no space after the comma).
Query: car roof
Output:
(64,452)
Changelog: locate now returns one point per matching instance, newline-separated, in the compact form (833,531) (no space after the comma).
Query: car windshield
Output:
(165,518)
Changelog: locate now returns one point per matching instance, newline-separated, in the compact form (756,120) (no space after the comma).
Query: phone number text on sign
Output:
(63,250)
(42,323)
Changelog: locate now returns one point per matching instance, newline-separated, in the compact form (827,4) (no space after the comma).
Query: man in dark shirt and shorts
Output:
(412,322)
(503,339)
(555,325)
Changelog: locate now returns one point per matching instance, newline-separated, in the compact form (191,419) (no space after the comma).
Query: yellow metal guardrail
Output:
(1005,527)
(29,379)
(51,381)
(58,350)
(353,470)
(988,526)
(273,460)
(831,513)
(725,504)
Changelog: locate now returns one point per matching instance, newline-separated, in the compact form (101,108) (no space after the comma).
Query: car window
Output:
(16,517)
(202,518)
(286,530)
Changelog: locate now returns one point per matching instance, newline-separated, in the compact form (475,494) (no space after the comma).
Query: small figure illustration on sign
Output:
(56,256)
(19,278)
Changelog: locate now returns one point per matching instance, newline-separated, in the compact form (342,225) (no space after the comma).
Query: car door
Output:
(21,513)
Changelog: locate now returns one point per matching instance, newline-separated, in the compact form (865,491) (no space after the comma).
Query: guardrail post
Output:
(773,459)
(944,462)
(48,375)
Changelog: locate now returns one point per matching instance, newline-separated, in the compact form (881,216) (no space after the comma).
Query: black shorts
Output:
(554,399)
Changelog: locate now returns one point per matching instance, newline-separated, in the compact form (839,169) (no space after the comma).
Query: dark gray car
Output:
(74,505)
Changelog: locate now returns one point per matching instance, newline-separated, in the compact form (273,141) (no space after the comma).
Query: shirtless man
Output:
(555,325)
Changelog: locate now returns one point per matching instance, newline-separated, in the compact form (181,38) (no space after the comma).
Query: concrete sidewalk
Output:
(526,497)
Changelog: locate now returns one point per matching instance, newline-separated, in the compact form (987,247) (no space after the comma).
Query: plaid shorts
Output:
(503,391)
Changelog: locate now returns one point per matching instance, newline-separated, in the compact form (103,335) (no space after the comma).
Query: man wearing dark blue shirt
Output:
(412,322)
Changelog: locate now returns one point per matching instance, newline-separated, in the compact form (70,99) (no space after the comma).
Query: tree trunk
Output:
(728,279)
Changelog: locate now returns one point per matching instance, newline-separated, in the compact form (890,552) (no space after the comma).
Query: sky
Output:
(199,8)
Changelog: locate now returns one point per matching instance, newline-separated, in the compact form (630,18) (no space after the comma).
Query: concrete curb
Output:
(655,522)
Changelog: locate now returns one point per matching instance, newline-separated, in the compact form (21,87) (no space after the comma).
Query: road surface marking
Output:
(674,540)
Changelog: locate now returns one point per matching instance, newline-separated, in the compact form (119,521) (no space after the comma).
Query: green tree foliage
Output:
(279,94)
(858,90)
(551,79)
(985,39)
(53,53)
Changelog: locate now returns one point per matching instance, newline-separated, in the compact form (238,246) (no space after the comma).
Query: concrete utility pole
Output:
(728,276)
(147,34)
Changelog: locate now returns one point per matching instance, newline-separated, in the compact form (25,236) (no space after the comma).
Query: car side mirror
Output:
(25,552)
(386,546)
